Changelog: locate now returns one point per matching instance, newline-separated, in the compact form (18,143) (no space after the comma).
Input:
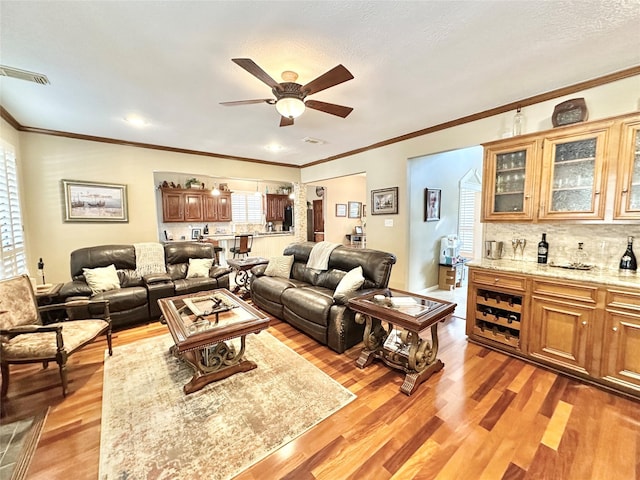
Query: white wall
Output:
(388,166)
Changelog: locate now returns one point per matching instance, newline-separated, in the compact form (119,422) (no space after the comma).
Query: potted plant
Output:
(193,183)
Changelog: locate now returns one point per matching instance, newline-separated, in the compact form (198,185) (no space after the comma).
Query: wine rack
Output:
(497,316)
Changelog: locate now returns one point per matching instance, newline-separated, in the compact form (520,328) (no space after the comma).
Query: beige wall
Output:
(342,190)
(45,160)
(387,166)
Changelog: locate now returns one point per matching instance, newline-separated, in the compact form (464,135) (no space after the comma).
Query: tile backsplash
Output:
(603,244)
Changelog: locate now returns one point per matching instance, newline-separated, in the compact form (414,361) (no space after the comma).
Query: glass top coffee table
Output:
(202,325)
(405,343)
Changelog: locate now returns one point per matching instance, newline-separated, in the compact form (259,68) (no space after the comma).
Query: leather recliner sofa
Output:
(305,300)
(136,300)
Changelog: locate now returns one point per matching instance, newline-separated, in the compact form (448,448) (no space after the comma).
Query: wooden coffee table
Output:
(202,325)
(405,343)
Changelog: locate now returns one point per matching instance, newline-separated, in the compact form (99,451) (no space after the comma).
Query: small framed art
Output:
(355,209)
(384,201)
(341,210)
(431,204)
(195,233)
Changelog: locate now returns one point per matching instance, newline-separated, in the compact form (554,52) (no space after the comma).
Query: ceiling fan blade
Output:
(286,121)
(253,68)
(247,102)
(332,108)
(333,77)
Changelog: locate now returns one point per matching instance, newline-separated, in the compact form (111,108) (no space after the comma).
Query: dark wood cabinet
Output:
(195,206)
(276,204)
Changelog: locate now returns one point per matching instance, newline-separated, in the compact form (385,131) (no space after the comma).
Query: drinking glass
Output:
(515,242)
(523,243)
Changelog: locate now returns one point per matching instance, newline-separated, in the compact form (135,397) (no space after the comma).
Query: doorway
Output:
(318,221)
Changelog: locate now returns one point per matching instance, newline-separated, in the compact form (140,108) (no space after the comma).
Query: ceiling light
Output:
(136,121)
(290,107)
(274,147)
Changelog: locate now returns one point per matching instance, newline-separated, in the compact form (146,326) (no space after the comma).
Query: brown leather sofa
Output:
(136,300)
(305,300)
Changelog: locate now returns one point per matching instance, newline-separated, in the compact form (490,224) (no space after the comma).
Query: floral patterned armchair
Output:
(23,338)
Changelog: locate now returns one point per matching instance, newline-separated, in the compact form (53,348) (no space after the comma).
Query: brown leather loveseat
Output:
(306,299)
(135,300)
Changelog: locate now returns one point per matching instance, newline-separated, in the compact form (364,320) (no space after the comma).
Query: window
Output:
(468,228)
(246,207)
(13,250)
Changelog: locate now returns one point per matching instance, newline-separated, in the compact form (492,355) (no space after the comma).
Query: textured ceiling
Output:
(416,64)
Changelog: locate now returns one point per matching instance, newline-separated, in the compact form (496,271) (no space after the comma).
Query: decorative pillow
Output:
(351,282)
(279,266)
(199,267)
(102,279)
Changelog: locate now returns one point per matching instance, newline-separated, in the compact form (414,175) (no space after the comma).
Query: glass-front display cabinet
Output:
(573,176)
(509,180)
(627,205)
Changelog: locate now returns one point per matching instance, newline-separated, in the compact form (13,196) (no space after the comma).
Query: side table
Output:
(242,267)
(46,295)
(450,277)
(403,344)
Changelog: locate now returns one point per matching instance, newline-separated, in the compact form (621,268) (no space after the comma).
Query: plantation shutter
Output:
(11,232)
(466,221)
(246,207)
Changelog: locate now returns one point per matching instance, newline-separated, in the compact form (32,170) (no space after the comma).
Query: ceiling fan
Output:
(290,96)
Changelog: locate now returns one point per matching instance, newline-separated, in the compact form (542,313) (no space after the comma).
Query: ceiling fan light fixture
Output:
(290,107)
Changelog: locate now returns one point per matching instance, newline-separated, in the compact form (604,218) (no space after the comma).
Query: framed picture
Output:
(431,205)
(94,202)
(384,201)
(355,209)
(341,210)
(358,229)
(195,233)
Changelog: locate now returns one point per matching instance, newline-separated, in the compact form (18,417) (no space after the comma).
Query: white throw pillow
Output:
(102,279)
(279,266)
(199,267)
(351,282)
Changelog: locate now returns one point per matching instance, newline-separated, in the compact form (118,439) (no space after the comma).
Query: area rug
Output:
(18,442)
(152,430)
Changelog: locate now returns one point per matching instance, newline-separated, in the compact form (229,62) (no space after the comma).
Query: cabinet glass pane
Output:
(634,191)
(573,176)
(509,181)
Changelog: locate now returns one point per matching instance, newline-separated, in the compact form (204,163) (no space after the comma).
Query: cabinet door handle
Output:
(624,191)
(615,329)
(584,322)
(496,280)
(597,192)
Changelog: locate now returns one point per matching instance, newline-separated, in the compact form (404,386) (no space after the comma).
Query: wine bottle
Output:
(543,249)
(628,260)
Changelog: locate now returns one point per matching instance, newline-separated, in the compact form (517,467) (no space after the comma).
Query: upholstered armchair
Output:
(23,338)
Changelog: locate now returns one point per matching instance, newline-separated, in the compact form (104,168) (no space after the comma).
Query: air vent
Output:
(314,141)
(24,75)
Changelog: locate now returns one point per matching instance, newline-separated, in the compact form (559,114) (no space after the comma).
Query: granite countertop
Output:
(229,236)
(596,275)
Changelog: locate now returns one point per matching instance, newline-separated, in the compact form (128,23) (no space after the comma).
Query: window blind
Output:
(466,221)
(246,207)
(11,232)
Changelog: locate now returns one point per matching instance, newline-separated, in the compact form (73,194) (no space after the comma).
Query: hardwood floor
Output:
(484,416)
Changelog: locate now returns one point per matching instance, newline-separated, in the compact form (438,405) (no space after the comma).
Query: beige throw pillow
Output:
(351,282)
(279,266)
(102,279)
(199,267)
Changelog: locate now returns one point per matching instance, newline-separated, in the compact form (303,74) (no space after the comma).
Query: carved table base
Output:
(213,363)
(405,351)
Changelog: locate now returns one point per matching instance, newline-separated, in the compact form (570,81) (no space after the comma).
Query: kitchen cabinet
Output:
(195,206)
(621,339)
(495,309)
(583,172)
(574,174)
(217,208)
(276,204)
(510,172)
(627,200)
(565,321)
(585,329)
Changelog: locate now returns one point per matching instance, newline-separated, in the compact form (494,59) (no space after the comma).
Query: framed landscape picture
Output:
(341,210)
(431,204)
(384,201)
(94,202)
